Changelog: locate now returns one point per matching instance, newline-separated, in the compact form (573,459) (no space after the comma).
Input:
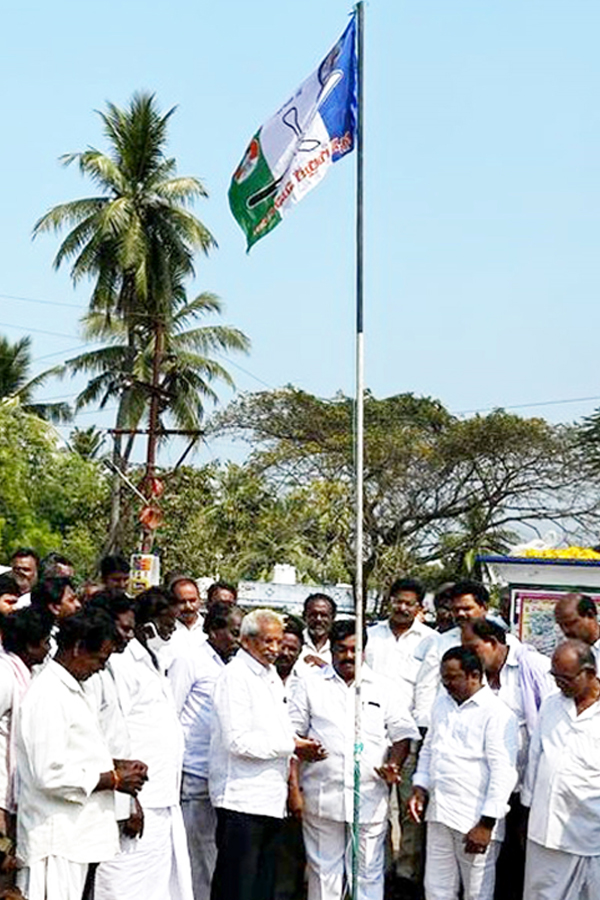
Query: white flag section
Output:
(292,152)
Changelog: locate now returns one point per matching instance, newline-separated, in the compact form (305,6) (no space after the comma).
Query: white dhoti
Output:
(329,858)
(447,866)
(557,875)
(153,867)
(53,878)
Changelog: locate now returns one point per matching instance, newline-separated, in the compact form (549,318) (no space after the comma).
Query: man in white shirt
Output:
(319,614)
(187,595)
(25,565)
(520,677)
(470,600)
(465,775)
(561,784)
(193,678)
(67,777)
(156,866)
(322,708)
(252,742)
(390,651)
(577,617)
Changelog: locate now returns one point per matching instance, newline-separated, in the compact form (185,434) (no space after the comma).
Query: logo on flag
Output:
(291,153)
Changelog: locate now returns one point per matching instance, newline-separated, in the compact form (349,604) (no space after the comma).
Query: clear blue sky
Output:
(482,187)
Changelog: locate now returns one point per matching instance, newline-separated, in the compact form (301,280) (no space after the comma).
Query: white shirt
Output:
(595,648)
(395,657)
(15,679)
(562,783)
(101,692)
(510,692)
(252,739)
(61,754)
(193,679)
(156,737)
(23,601)
(309,649)
(322,707)
(429,682)
(468,761)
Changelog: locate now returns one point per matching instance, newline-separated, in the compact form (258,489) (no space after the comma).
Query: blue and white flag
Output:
(292,152)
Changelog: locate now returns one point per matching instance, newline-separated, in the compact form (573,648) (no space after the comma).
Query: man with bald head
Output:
(577,617)
(561,784)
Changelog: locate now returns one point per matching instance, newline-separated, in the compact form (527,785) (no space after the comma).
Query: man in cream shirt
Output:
(252,743)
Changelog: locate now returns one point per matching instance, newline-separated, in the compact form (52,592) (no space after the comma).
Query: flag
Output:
(291,153)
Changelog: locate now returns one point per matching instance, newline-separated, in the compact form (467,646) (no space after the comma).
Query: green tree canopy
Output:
(436,486)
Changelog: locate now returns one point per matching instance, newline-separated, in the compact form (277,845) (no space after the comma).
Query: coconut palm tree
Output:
(137,242)
(15,381)
(122,368)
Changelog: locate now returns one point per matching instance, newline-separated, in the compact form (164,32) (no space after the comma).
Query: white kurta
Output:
(193,680)
(394,657)
(252,739)
(468,761)
(15,679)
(61,754)
(156,866)
(309,649)
(562,783)
(322,708)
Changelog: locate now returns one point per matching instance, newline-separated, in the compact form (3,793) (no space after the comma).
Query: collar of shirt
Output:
(479,698)
(330,673)
(255,666)
(63,675)
(308,645)
(418,628)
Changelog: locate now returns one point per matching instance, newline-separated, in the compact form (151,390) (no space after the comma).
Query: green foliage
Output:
(16,381)
(50,499)
(437,489)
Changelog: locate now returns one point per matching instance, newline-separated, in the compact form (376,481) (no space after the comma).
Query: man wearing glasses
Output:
(561,783)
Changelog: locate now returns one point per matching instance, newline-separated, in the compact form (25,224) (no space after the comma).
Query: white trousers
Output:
(53,878)
(329,858)
(556,875)
(153,867)
(447,866)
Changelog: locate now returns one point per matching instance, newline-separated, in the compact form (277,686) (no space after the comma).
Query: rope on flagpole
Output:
(359,454)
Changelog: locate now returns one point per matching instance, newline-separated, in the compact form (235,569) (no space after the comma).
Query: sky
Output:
(482,190)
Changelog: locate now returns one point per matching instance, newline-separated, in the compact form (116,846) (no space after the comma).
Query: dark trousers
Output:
(510,867)
(245,868)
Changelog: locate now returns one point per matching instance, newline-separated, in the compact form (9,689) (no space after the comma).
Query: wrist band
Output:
(116,778)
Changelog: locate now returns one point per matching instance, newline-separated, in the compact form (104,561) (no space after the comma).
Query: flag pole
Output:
(359,448)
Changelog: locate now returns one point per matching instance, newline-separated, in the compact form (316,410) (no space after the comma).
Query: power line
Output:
(467,412)
(44,302)
(37,330)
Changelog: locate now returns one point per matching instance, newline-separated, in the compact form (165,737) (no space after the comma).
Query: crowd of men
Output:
(163,747)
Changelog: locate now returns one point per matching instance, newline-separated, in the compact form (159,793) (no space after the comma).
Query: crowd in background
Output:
(173,747)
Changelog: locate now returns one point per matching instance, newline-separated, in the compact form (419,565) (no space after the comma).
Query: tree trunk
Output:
(148,534)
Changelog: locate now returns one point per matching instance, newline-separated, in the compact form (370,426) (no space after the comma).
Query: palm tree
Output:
(137,242)
(15,381)
(122,369)
(133,237)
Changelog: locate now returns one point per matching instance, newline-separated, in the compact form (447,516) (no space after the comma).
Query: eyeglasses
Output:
(567,678)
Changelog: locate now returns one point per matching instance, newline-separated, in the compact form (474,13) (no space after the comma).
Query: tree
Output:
(16,381)
(137,241)
(435,486)
(50,498)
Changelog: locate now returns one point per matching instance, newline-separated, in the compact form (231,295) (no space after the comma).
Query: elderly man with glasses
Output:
(561,783)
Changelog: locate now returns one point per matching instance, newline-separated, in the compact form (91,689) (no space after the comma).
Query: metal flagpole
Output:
(359,449)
